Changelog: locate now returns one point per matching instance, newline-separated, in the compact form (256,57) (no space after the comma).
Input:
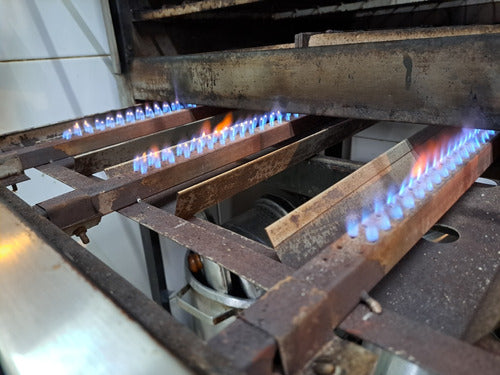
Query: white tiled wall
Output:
(380,137)
(55,65)
(36,29)
(40,92)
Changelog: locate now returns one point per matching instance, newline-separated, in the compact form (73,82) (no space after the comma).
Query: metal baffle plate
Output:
(443,284)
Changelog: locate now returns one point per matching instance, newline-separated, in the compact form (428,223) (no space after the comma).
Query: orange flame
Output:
(227,121)
(427,154)
(154,150)
(206,127)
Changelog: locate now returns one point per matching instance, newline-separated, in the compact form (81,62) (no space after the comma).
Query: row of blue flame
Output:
(132,115)
(413,189)
(155,159)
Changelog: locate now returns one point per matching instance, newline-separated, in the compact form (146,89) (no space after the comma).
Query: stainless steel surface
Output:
(217,277)
(53,321)
(209,316)
(220,297)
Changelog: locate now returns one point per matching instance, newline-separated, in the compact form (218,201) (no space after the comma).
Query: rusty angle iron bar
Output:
(348,37)
(215,190)
(187,8)
(315,299)
(432,350)
(444,81)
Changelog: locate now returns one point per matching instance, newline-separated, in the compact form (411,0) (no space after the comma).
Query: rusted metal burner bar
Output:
(334,38)
(223,232)
(103,158)
(25,138)
(301,234)
(218,188)
(127,187)
(68,176)
(444,81)
(188,8)
(320,294)
(434,351)
(16,161)
(232,255)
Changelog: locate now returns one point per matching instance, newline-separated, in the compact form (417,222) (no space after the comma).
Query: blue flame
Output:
(77,130)
(99,124)
(119,119)
(198,144)
(129,116)
(148,111)
(223,136)
(352,226)
(253,125)
(262,122)
(272,116)
(178,149)
(451,155)
(418,191)
(187,150)
(88,128)
(396,212)
(110,122)
(139,114)
(428,184)
(157,109)
(436,177)
(371,233)
(211,139)
(444,172)
(137,164)
(384,221)
(232,132)
(67,134)
(408,201)
(243,129)
(192,144)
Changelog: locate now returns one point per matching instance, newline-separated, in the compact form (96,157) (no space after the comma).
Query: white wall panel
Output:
(378,138)
(390,131)
(55,66)
(35,93)
(35,29)
(364,150)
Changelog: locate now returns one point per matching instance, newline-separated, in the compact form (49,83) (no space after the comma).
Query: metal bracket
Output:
(197,313)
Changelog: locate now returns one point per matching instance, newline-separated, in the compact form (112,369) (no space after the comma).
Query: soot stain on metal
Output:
(408,63)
